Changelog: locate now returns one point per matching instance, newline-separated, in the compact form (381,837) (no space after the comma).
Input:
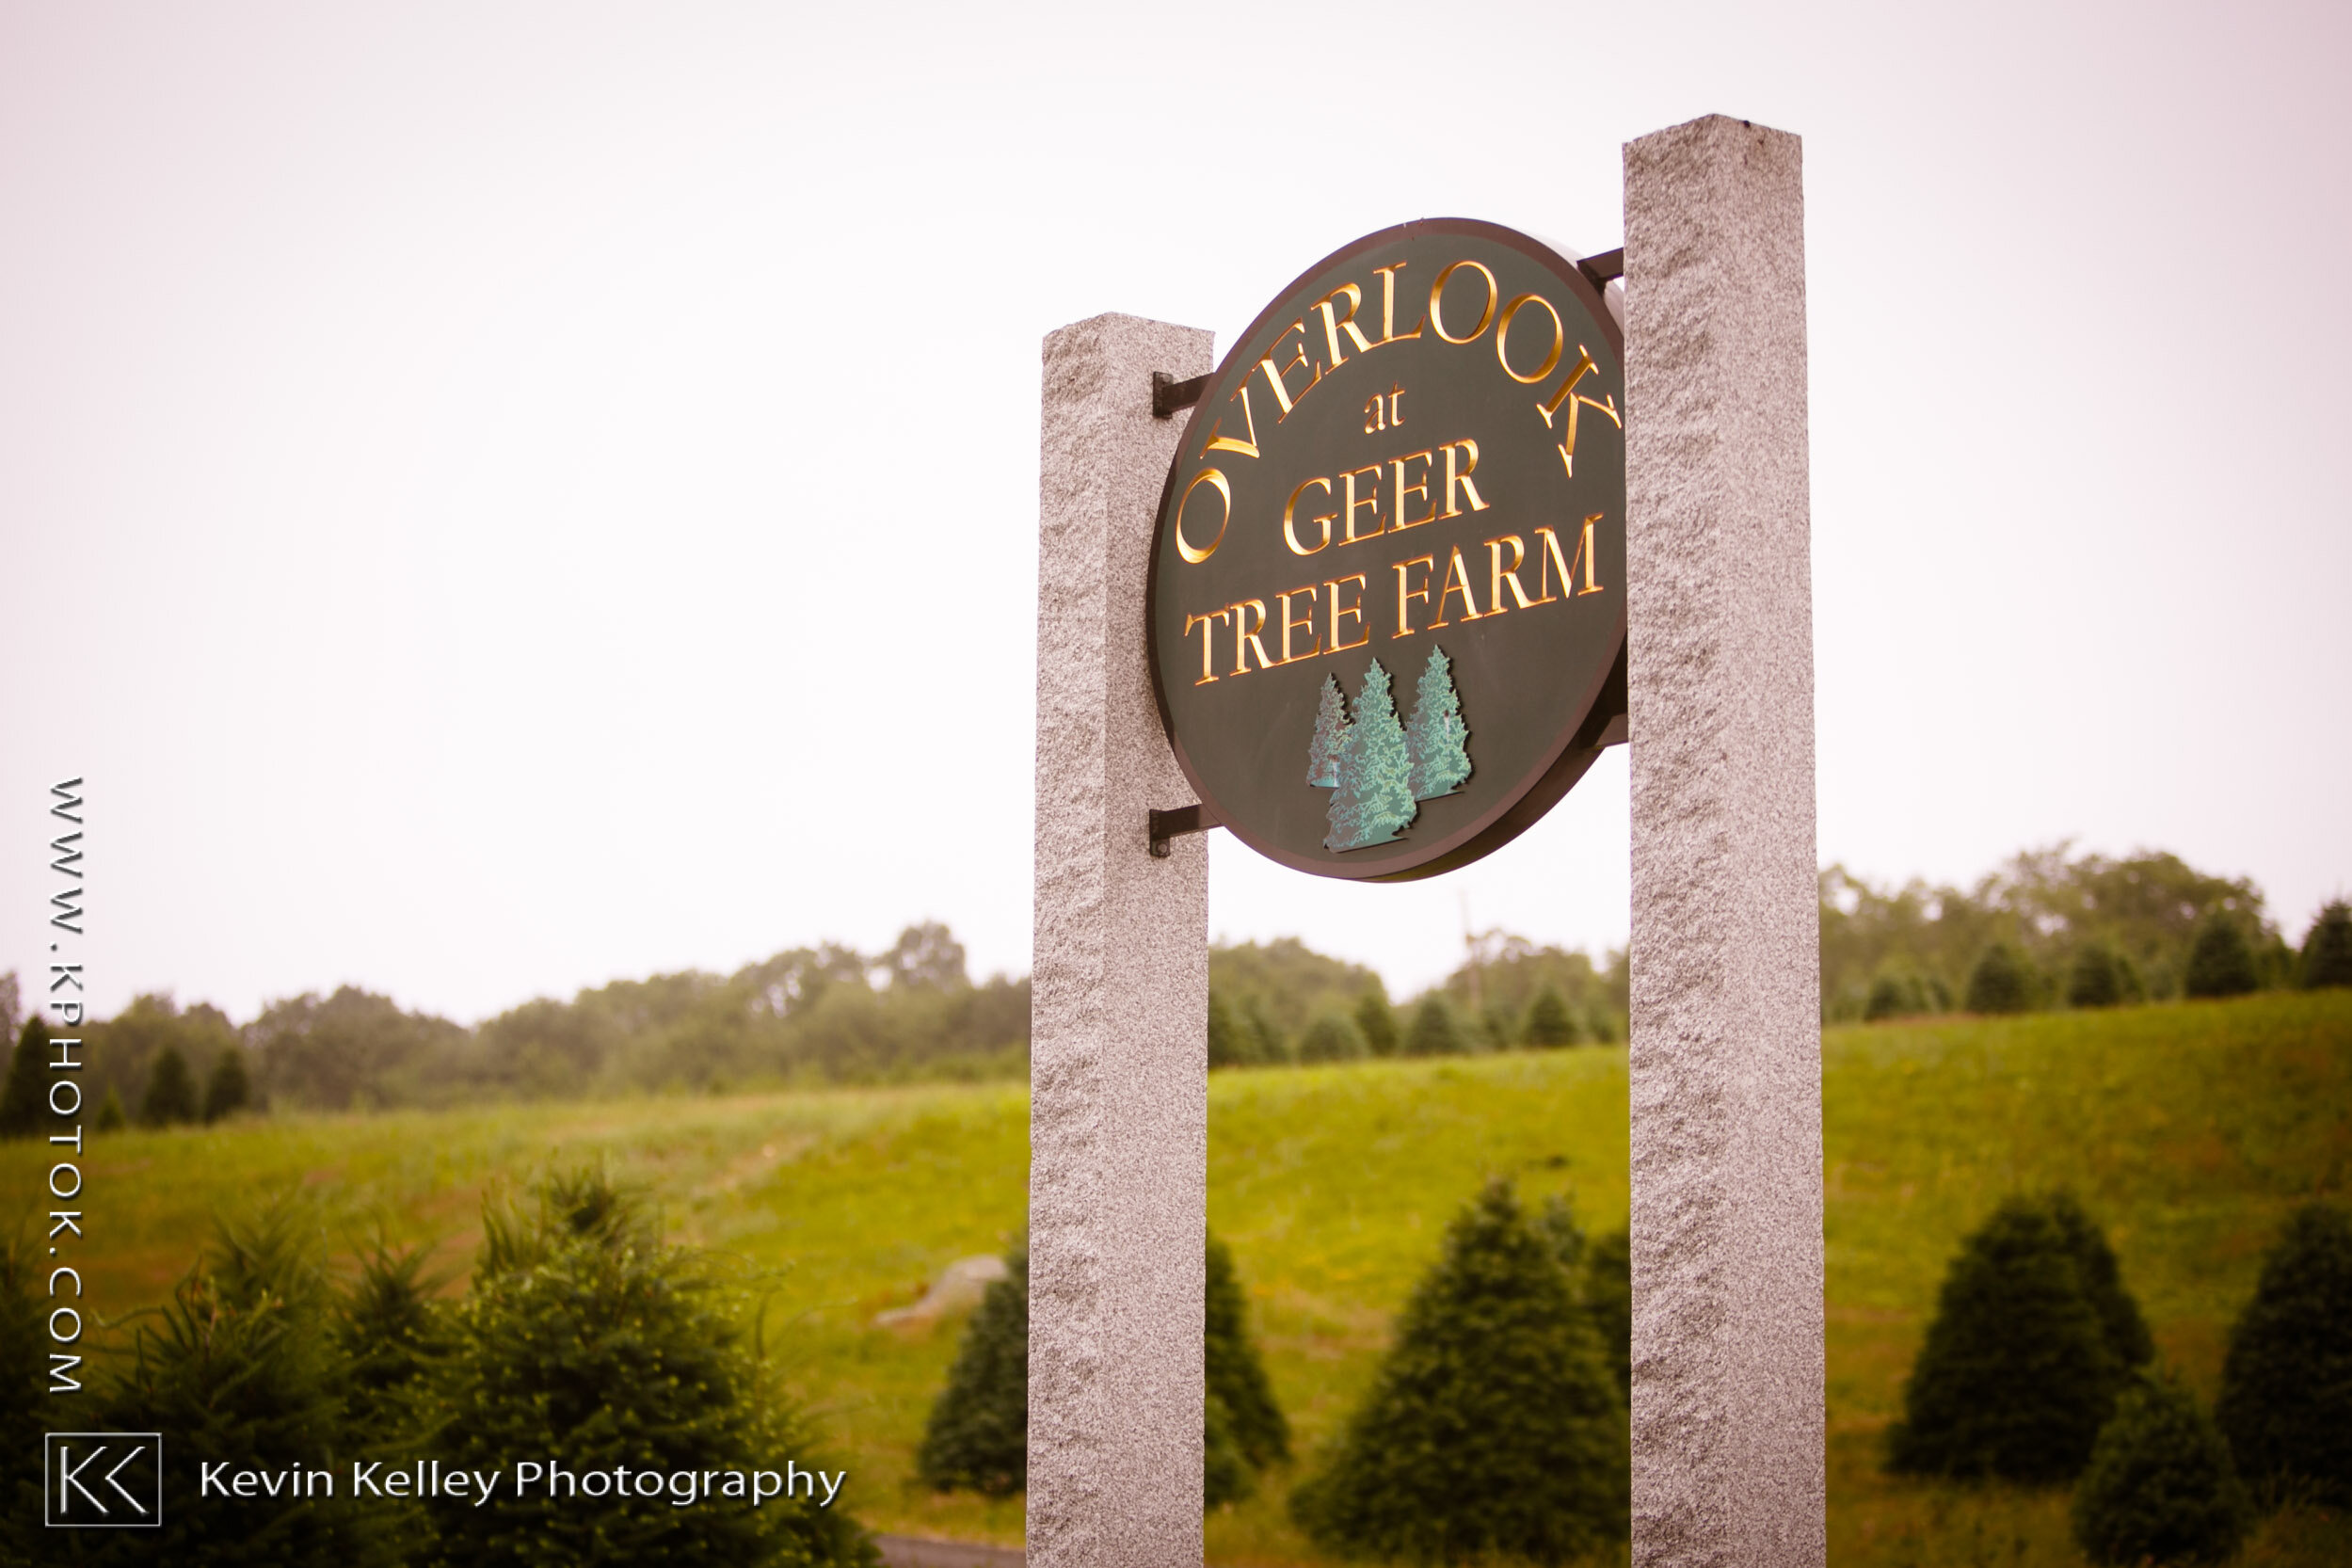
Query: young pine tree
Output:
(2096,978)
(1436,740)
(1549,1022)
(2328,950)
(25,1348)
(2160,1487)
(393,1335)
(1373,802)
(1235,1375)
(2102,1279)
(22,1106)
(1491,1428)
(1608,1302)
(1330,739)
(237,1368)
(110,1117)
(170,1096)
(2286,1383)
(2000,981)
(2016,1376)
(226,1091)
(978,1434)
(1332,1037)
(588,1341)
(1436,1031)
(2221,959)
(1378,1020)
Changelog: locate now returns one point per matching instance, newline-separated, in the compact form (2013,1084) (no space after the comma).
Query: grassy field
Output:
(2188,1129)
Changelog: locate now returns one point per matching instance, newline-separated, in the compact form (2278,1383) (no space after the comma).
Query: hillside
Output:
(2188,1129)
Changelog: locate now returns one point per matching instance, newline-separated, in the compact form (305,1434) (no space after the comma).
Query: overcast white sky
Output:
(498,498)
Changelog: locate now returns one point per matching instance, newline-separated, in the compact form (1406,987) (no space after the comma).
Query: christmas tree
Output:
(1435,741)
(1331,737)
(1373,800)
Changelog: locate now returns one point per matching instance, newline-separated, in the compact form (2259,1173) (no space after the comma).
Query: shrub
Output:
(393,1334)
(24,1347)
(1608,1302)
(2286,1383)
(237,1368)
(1378,1020)
(589,1342)
(2015,1378)
(2328,950)
(1435,1030)
(2220,960)
(1491,1428)
(2160,1487)
(978,1434)
(2000,983)
(2102,1279)
(1332,1037)
(1236,1376)
(110,1117)
(170,1090)
(22,1102)
(1226,1473)
(1549,1022)
(2096,978)
(1892,996)
(226,1091)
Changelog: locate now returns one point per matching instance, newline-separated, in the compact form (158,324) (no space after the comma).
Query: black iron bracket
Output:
(1177,823)
(1599,269)
(1168,394)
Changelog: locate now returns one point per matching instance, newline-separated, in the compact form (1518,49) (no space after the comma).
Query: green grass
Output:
(2188,1130)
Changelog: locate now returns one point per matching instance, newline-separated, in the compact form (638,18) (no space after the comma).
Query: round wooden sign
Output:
(1388,608)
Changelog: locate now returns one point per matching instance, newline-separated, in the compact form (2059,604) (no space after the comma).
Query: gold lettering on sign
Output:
(1334,326)
(1404,485)
(1395,404)
(1567,568)
(1210,477)
(1498,574)
(1502,339)
(1569,396)
(1375,416)
(1307,625)
(1388,332)
(1245,636)
(1351,505)
(1437,294)
(1459,479)
(1289,511)
(1220,441)
(1209,641)
(1457,581)
(1341,611)
(1407,593)
(1275,378)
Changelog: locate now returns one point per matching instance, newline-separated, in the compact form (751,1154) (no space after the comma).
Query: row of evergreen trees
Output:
(1242,1037)
(2038,1367)
(585,1338)
(170,1096)
(1496,1427)
(2224,959)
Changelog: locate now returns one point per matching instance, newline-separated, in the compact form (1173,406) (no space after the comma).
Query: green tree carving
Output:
(1437,741)
(1331,737)
(1373,801)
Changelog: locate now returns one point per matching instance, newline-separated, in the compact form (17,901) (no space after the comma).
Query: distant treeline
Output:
(827,1014)
(1286,1002)
(2053,929)
(2049,929)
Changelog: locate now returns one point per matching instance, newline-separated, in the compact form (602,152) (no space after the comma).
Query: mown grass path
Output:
(2189,1129)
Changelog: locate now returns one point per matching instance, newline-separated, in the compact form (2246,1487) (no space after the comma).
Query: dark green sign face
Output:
(1387,593)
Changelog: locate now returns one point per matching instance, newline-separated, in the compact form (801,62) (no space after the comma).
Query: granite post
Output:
(1726,1048)
(1118,1182)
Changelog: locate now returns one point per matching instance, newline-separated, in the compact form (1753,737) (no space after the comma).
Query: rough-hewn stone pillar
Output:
(1727,1351)
(1118,1017)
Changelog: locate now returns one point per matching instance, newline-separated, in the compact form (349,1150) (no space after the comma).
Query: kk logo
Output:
(103,1480)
